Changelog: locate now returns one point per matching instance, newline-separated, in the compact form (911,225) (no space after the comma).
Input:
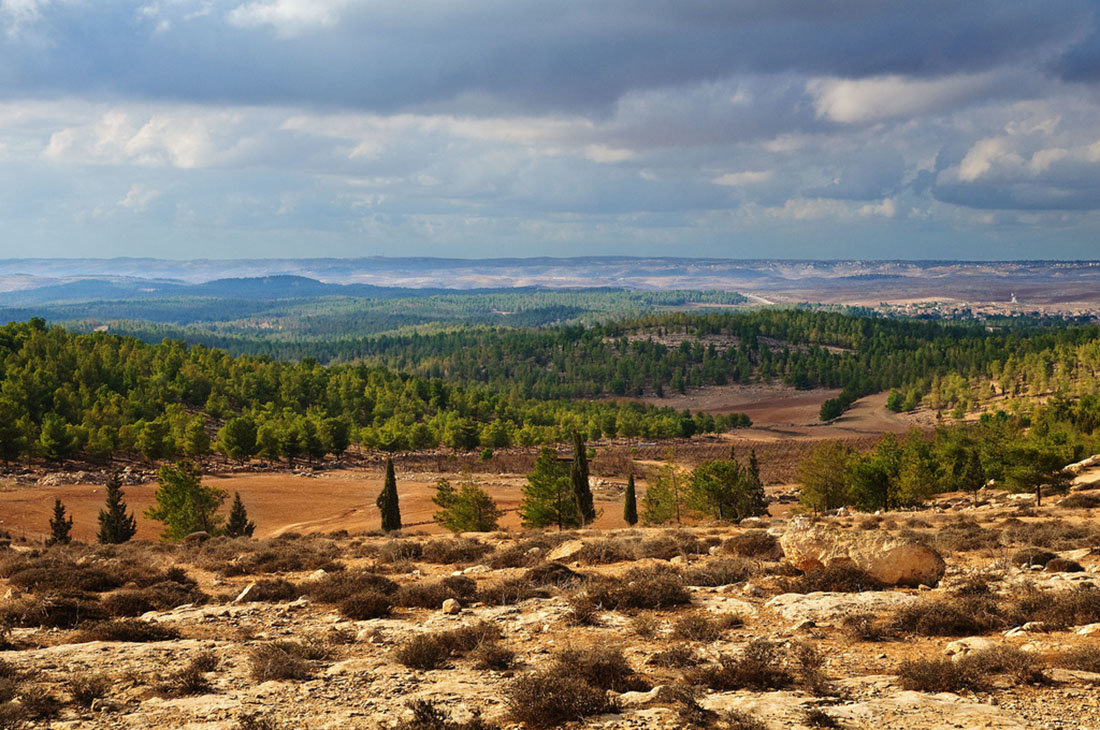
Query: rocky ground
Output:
(961,615)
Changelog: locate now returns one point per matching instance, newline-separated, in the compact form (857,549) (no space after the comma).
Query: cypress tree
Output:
(239,525)
(578,475)
(387,500)
(630,503)
(115,524)
(60,526)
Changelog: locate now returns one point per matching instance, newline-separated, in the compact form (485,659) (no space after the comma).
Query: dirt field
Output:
(785,428)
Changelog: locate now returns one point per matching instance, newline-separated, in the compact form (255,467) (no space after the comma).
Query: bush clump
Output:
(966,616)
(834,579)
(278,661)
(639,589)
(600,666)
(753,544)
(760,666)
(703,627)
(128,630)
(722,572)
(450,551)
(552,697)
(432,593)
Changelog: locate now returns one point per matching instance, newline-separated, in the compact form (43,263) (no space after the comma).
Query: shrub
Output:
(583,610)
(549,698)
(600,666)
(1057,609)
(1063,565)
(644,626)
(639,589)
(949,617)
(1081,501)
(87,688)
(552,574)
(975,585)
(432,593)
(128,630)
(190,679)
(453,550)
(426,716)
(719,572)
(256,721)
(1032,556)
(676,656)
(491,655)
(507,591)
(835,579)
(273,661)
(862,627)
(163,596)
(753,544)
(337,587)
(395,551)
(50,611)
(366,605)
(1084,658)
(607,551)
(272,589)
(760,666)
(816,717)
(466,638)
(38,702)
(702,627)
(738,720)
(938,675)
(1004,659)
(423,651)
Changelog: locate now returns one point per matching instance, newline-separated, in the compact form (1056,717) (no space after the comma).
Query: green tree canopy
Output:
(183,503)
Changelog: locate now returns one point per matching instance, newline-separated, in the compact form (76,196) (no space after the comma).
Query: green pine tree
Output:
(115,524)
(548,496)
(239,525)
(578,475)
(60,526)
(470,509)
(630,503)
(184,504)
(387,500)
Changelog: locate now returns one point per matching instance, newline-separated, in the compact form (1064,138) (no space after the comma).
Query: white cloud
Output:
(603,153)
(746,177)
(288,17)
(851,101)
(138,198)
(886,209)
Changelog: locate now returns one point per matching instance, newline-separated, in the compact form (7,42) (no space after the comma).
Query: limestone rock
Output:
(964,647)
(824,608)
(451,606)
(1089,630)
(891,560)
(566,550)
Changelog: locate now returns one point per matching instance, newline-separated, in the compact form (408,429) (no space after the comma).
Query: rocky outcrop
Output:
(890,560)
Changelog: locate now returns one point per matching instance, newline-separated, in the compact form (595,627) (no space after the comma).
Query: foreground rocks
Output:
(890,560)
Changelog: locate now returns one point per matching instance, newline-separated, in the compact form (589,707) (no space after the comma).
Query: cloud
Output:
(138,197)
(288,17)
(746,177)
(850,101)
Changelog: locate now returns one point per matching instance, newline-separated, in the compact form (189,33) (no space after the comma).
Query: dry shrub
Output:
(1081,501)
(39,703)
(809,665)
(50,611)
(257,721)
(583,610)
(703,627)
(607,551)
(738,720)
(760,666)
(432,593)
(1084,658)
(163,596)
(1029,557)
(395,551)
(1053,534)
(508,591)
(337,587)
(862,627)
(969,616)
(753,544)
(190,679)
(423,651)
(644,626)
(675,543)
(552,574)
(817,717)
(426,716)
(834,579)
(676,656)
(974,585)
(128,630)
(1057,609)
(87,688)
(366,605)
(273,590)
(639,589)
(600,666)
(492,655)
(449,551)
(1024,667)
(552,697)
(1063,565)
(964,535)
(722,572)
(278,661)
(938,675)
(517,555)
(284,554)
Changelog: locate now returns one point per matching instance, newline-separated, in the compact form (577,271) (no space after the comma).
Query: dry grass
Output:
(128,630)
(552,697)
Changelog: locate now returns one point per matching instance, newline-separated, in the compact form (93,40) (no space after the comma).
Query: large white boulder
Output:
(890,560)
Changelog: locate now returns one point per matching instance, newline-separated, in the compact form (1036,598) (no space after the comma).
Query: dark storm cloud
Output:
(535,56)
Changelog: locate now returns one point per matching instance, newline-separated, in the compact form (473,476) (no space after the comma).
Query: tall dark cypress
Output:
(60,526)
(630,502)
(387,500)
(115,524)
(239,525)
(582,492)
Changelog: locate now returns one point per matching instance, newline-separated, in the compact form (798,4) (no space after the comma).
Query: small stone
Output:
(451,606)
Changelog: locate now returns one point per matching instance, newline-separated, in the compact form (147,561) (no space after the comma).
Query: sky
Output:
(736,128)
